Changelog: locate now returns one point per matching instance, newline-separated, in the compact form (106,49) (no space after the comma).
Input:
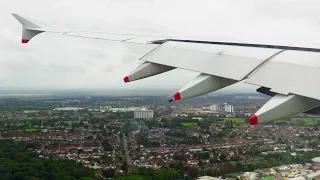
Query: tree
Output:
(24,164)
(108,173)
(106,145)
(80,151)
(124,166)
(69,178)
(133,177)
(86,178)
(193,172)
(313,145)
(99,137)
(223,157)
(221,134)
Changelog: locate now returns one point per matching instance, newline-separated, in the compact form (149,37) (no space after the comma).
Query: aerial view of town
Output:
(146,137)
(159,90)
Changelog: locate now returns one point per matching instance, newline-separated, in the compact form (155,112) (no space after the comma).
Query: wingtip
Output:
(126,79)
(24,41)
(15,15)
(253,120)
(177,96)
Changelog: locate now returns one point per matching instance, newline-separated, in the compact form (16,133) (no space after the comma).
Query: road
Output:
(125,147)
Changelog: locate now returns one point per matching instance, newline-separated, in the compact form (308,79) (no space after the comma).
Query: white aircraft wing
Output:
(288,73)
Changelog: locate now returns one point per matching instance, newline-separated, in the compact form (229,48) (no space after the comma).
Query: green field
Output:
(189,124)
(266,178)
(30,130)
(300,121)
(234,120)
(308,121)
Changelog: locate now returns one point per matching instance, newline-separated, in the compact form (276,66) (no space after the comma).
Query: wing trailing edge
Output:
(30,30)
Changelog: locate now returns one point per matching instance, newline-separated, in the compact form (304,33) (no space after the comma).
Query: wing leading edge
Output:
(222,64)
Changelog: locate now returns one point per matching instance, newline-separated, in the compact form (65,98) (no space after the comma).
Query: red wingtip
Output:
(253,120)
(177,96)
(24,41)
(126,79)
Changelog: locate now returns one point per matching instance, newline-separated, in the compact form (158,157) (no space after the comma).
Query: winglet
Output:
(29,29)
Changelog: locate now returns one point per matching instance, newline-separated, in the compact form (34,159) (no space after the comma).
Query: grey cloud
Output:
(90,62)
(30,65)
(127,59)
(288,9)
(51,60)
(108,68)
(32,73)
(96,55)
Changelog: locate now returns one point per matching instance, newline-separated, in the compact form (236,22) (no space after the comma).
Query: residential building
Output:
(143,114)
(228,108)
(214,107)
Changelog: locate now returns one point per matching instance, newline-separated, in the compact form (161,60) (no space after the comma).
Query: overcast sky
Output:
(54,61)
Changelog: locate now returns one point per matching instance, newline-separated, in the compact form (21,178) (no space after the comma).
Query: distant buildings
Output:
(228,108)
(214,108)
(143,114)
(68,109)
(208,178)
(123,109)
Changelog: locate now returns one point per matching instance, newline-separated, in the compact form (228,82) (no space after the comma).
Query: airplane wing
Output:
(287,73)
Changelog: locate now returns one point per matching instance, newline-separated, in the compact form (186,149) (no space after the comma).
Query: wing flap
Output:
(294,72)
(281,106)
(231,62)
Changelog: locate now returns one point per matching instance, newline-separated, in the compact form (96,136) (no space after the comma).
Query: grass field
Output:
(189,124)
(30,130)
(235,120)
(308,121)
(266,178)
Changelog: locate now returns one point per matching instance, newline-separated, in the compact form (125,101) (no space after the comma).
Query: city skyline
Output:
(115,92)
